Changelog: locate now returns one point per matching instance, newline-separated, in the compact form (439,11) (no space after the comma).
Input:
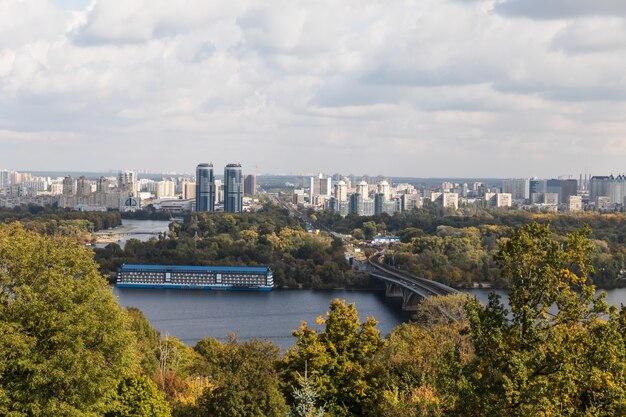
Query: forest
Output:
(458,247)
(61,222)
(68,349)
(267,237)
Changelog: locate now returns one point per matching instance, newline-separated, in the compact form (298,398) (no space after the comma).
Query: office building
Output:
(205,187)
(233,188)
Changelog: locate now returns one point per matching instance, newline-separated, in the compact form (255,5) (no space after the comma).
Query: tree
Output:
(423,359)
(147,341)
(339,361)
(64,341)
(305,399)
(560,352)
(245,381)
(138,396)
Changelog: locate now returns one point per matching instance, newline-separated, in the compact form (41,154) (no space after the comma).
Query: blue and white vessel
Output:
(195,277)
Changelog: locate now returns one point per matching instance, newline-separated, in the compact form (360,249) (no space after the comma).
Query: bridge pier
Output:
(410,300)
(393,291)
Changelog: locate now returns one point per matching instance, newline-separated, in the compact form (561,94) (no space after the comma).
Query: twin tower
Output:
(206,191)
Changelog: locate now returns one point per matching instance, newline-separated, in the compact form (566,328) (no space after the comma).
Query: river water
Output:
(191,315)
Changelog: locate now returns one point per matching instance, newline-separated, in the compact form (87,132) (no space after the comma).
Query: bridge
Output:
(400,284)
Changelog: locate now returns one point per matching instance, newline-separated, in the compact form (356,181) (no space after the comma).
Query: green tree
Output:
(245,380)
(305,399)
(560,352)
(339,360)
(147,341)
(369,229)
(138,396)
(65,343)
(423,359)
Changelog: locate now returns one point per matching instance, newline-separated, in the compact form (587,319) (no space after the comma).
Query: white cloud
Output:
(359,85)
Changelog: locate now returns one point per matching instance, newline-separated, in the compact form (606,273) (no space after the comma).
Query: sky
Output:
(421,88)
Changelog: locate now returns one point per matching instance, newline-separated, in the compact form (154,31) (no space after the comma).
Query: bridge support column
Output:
(410,300)
(393,291)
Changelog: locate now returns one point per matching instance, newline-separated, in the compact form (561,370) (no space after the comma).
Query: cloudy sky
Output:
(424,88)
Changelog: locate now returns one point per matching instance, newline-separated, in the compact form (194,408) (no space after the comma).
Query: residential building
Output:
(499,199)
(249,185)
(233,188)
(205,187)
(608,186)
(519,188)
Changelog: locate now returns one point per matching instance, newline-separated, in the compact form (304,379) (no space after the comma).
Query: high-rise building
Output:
(233,189)
(608,186)
(362,188)
(127,183)
(69,187)
(189,190)
(569,188)
(519,188)
(4,179)
(83,187)
(205,188)
(326,188)
(360,206)
(537,186)
(165,188)
(341,191)
(385,190)
(103,186)
(249,185)
(219,192)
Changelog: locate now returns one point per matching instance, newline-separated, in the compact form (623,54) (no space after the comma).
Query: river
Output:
(192,315)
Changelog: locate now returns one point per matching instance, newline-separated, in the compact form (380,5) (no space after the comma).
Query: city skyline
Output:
(450,88)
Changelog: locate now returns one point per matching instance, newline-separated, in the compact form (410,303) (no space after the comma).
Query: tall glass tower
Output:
(233,188)
(205,188)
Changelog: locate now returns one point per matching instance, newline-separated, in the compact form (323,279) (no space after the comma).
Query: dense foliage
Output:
(268,237)
(561,349)
(61,222)
(458,248)
(68,349)
(65,344)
